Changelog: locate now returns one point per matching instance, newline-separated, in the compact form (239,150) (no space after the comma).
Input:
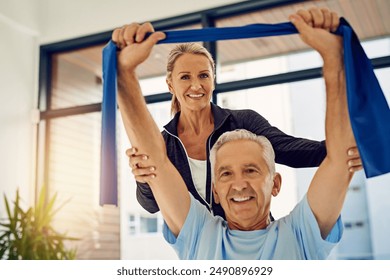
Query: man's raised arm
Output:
(329,186)
(167,185)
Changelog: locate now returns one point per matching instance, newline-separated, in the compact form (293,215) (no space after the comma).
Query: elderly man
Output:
(243,168)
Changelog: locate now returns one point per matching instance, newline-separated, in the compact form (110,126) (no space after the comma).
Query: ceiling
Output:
(370,19)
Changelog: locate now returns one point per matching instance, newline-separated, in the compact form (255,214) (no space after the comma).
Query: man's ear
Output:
(215,194)
(277,184)
(169,83)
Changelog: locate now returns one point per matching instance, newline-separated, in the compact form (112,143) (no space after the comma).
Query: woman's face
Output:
(192,82)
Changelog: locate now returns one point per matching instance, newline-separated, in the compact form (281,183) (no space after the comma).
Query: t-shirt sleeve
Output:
(308,232)
(187,242)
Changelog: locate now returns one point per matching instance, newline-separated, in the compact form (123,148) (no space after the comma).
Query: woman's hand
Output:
(354,160)
(140,166)
(134,47)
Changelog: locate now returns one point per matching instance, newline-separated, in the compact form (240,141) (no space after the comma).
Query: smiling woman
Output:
(207,70)
(192,89)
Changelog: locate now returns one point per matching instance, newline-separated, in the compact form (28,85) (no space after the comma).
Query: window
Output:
(143,224)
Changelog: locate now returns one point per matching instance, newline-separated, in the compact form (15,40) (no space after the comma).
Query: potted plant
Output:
(29,234)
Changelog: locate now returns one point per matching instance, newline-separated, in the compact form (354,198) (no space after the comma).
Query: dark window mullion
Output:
(71,111)
(44,100)
(209,21)
(270,80)
(248,6)
(381,62)
(288,77)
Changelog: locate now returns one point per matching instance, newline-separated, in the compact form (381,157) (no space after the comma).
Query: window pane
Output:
(153,85)
(384,81)
(284,106)
(377,47)
(248,50)
(149,225)
(161,113)
(76,78)
(132,225)
(74,174)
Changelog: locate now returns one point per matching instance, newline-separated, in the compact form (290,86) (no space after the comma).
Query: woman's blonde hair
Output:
(176,52)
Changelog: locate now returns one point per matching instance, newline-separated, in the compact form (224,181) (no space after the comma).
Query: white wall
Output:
(18,80)
(22,13)
(74,18)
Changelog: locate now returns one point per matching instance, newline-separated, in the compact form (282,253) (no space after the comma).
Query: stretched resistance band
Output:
(368,108)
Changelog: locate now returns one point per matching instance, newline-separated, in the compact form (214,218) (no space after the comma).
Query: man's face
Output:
(243,184)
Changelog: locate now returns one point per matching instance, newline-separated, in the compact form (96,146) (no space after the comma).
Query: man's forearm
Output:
(329,186)
(338,131)
(139,124)
(168,186)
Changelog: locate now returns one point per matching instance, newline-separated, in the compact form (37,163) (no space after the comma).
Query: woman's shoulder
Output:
(240,112)
(244,114)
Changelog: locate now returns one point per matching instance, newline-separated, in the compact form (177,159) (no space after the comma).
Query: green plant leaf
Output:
(30,235)
(8,209)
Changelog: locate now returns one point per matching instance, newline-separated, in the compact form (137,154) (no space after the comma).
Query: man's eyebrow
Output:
(256,166)
(252,165)
(223,167)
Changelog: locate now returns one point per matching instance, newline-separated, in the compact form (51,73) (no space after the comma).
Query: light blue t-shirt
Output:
(295,236)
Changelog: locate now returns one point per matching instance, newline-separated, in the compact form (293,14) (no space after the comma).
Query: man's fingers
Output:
(133,33)
(327,23)
(302,26)
(142,31)
(129,33)
(317,17)
(306,16)
(335,21)
(115,35)
(300,23)
(118,38)
(154,38)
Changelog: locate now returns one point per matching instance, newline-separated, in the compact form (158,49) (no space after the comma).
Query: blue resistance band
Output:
(368,108)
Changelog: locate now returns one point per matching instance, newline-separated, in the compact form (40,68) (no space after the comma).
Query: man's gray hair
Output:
(243,134)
